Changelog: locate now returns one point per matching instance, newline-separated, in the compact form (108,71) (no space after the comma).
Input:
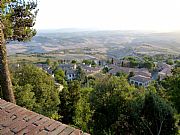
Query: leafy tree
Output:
(172,84)
(91,81)
(83,112)
(107,100)
(133,61)
(148,64)
(25,97)
(48,62)
(80,75)
(35,90)
(87,62)
(69,98)
(177,63)
(73,61)
(158,116)
(16,21)
(105,70)
(55,65)
(60,77)
(93,63)
(131,74)
(170,61)
(121,74)
(150,115)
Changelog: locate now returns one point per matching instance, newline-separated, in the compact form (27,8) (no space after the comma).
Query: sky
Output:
(144,15)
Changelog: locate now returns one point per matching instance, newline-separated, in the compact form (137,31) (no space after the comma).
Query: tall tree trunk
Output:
(6,83)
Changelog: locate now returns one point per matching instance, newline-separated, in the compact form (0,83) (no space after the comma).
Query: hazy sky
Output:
(155,15)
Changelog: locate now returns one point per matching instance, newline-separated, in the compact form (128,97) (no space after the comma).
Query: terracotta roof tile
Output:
(15,120)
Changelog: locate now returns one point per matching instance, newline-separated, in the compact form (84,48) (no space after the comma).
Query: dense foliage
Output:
(18,18)
(172,85)
(108,105)
(35,90)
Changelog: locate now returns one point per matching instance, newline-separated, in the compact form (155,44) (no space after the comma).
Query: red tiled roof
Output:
(20,121)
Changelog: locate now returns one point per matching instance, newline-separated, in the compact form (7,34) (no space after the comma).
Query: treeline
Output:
(104,105)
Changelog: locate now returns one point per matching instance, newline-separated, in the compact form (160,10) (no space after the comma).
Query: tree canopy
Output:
(35,90)
(18,18)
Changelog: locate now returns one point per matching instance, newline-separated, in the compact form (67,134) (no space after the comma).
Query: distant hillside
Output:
(115,42)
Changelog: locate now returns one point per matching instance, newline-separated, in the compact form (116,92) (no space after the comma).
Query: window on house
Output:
(136,83)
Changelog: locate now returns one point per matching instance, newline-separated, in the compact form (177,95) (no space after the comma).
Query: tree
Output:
(150,115)
(93,63)
(148,64)
(69,98)
(99,63)
(83,112)
(158,116)
(48,62)
(80,75)
(108,100)
(177,63)
(60,77)
(121,74)
(16,21)
(87,62)
(35,90)
(105,70)
(170,61)
(112,61)
(73,61)
(133,61)
(25,97)
(131,74)
(55,65)
(172,85)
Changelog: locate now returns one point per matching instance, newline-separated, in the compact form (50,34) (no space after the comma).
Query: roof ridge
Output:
(18,120)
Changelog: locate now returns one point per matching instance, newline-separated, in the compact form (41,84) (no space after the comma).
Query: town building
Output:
(136,71)
(164,70)
(70,74)
(91,70)
(139,80)
(69,70)
(164,73)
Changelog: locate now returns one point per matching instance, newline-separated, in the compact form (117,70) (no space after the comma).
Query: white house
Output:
(70,74)
(139,80)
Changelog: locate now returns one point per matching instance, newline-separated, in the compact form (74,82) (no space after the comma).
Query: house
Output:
(46,68)
(69,70)
(70,74)
(161,66)
(164,73)
(143,73)
(139,80)
(91,70)
(136,71)
(67,66)
(164,70)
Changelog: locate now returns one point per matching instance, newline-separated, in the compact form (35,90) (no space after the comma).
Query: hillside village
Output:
(89,67)
(137,76)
